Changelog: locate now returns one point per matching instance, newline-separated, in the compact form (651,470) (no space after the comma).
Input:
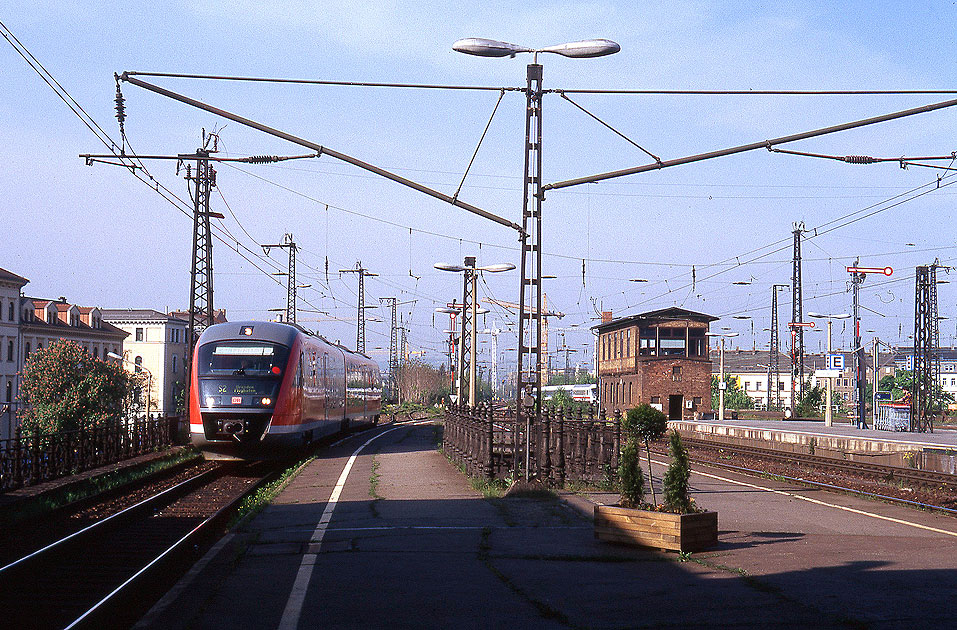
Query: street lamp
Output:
(721,384)
(828,413)
(469,311)
(137,367)
(529,388)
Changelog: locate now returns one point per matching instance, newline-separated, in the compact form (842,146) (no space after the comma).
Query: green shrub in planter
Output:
(646,423)
(676,478)
(630,476)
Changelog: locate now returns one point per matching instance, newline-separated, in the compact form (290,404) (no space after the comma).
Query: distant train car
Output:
(584,393)
(260,389)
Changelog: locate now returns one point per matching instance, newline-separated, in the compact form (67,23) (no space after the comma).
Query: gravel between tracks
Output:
(938,495)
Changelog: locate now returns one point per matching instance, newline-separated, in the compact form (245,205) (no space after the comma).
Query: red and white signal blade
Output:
(884,270)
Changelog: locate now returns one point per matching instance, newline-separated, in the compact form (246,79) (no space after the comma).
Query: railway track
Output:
(108,574)
(924,489)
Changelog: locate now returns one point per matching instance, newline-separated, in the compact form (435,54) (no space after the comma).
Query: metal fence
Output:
(31,458)
(565,446)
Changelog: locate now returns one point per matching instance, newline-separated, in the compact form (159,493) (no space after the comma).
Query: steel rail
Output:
(828,486)
(129,511)
(858,467)
(101,608)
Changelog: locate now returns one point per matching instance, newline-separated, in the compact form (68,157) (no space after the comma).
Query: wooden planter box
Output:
(661,530)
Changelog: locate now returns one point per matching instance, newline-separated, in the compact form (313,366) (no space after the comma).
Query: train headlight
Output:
(210,401)
(267,401)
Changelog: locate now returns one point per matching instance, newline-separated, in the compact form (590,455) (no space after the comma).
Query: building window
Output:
(10,350)
(96,352)
(656,400)
(10,311)
(27,353)
(676,373)
(9,391)
(139,334)
(174,364)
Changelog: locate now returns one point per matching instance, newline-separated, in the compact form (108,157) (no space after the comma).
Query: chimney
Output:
(606,317)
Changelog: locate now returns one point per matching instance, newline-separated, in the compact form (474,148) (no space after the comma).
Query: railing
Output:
(31,458)
(892,417)
(564,446)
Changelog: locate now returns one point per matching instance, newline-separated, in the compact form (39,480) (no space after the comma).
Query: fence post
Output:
(35,455)
(546,442)
(561,449)
(18,457)
(490,444)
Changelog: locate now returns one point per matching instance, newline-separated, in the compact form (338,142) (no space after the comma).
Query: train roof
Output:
(275,332)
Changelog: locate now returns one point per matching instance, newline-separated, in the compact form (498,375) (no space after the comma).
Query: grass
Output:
(47,502)
(255,502)
(374,480)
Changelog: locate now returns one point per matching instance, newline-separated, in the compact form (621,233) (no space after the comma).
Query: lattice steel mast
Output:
(797,317)
(363,273)
(289,243)
(926,359)
(774,349)
(393,349)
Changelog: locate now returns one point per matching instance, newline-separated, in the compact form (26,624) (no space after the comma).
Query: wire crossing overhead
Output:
(320,150)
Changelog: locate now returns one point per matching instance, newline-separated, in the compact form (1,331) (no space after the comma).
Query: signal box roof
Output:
(672,313)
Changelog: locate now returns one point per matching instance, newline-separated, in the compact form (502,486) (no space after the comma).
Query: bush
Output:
(630,477)
(676,478)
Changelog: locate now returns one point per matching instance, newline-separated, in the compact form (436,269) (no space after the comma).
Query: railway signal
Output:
(857,277)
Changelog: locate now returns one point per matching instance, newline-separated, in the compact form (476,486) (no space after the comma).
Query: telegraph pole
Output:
(363,273)
(774,362)
(290,244)
(797,317)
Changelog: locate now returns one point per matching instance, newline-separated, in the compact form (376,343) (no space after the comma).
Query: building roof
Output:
(59,327)
(661,314)
(9,276)
(120,315)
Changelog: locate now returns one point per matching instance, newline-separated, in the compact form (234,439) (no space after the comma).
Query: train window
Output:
(242,358)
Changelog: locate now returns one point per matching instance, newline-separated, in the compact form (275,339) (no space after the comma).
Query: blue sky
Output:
(99,237)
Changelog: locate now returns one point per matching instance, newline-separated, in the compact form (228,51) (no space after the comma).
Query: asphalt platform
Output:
(403,541)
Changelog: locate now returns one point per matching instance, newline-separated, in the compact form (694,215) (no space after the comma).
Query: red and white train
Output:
(260,389)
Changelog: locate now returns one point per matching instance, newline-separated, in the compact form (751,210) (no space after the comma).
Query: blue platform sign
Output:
(835,361)
(883,396)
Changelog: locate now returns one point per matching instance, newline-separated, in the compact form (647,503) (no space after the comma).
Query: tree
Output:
(812,404)
(66,389)
(734,396)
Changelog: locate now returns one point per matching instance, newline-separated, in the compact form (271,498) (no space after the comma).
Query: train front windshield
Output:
(242,358)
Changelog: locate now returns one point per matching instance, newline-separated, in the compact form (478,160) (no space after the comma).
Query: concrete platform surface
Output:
(404,541)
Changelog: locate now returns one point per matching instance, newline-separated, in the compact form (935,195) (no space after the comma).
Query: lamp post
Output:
(469,311)
(137,367)
(530,297)
(721,384)
(828,412)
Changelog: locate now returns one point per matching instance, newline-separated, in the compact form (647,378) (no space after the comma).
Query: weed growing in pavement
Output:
(255,502)
(374,479)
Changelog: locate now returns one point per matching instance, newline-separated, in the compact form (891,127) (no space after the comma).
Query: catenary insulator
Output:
(859,159)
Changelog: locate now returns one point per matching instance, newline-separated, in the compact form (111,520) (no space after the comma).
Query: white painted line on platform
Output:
(293,610)
(822,503)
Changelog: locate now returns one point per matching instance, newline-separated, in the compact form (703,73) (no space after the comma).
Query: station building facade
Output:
(157,344)
(659,357)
